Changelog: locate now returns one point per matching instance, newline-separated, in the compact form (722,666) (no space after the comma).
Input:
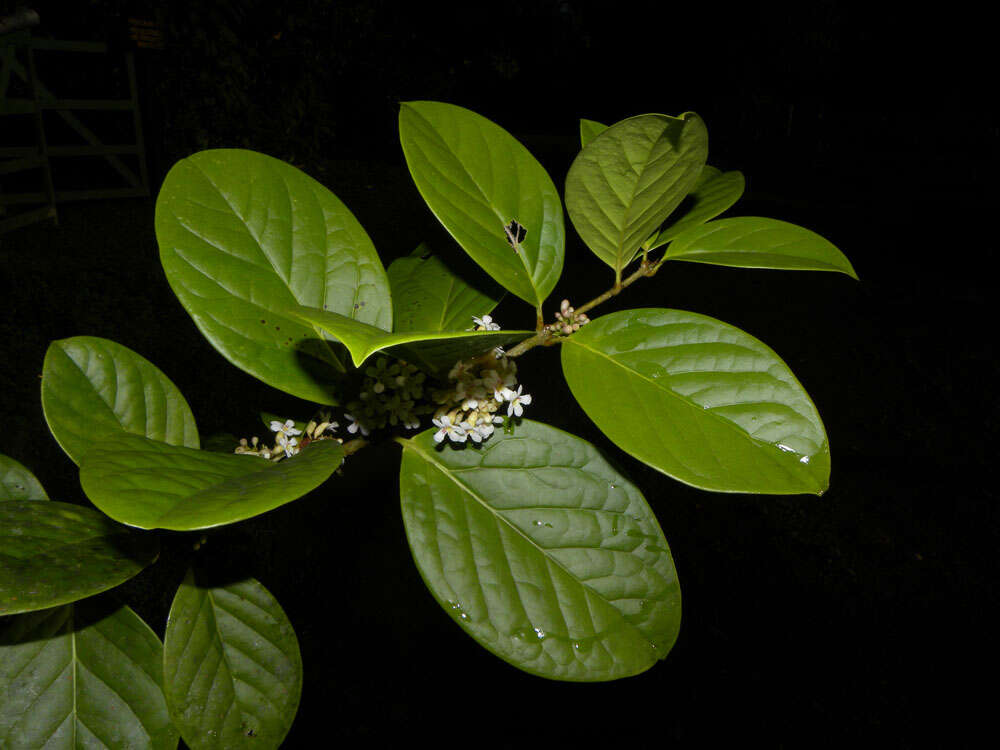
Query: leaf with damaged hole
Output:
(477,179)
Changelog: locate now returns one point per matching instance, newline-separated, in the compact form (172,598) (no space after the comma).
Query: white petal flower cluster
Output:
(568,319)
(389,395)
(286,441)
(477,390)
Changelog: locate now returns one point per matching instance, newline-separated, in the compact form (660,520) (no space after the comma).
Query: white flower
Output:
(485,427)
(355,425)
(516,401)
(288,428)
(485,323)
(472,432)
(455,432)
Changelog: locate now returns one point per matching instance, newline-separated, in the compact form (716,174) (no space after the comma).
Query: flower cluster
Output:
(286,440)
(485,323)
(477,390)
(389,395)
(568,319)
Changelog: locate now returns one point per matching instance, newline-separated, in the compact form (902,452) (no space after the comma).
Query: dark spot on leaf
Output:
(356,306)
(263,321)
(277,328)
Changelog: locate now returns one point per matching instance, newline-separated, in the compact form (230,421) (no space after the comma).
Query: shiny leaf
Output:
(94,388)
(153,485)
(17,483)
(542,552)
(708,200)
(55,553)
(232,666)
(428,296)
(589,130)
(82,676)
(700,400)
(756,242)
(242,235)
(477,179)
(435,351)
(629,179)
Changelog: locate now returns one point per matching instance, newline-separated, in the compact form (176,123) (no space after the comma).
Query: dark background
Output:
(861,615)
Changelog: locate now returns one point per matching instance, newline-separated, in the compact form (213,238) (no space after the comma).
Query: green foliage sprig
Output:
(527,537)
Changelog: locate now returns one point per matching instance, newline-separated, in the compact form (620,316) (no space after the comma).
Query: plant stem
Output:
(353,446)
(545,337)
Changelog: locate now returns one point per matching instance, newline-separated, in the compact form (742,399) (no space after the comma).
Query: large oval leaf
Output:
(94,388)
(433,351)
(477,179)
(82,676)
(542,552)
(153,485)
(55,553)
(243,235)
(628,180)
(757,242)
(17,483)
(708,199)
(428,296)
(699,400)
(232,666)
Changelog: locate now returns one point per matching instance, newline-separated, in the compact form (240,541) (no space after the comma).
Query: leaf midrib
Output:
(411,445)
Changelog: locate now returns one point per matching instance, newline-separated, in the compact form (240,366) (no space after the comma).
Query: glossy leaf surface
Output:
(55,553)
(708,199)
(589,130)
(477,178)
(82,676)
(94,388)
(428,296)
(232,666)
(17,483)
(629,179)
(700,400)
(542,552)
(756,242)
(153,485)
(242,236)
(431,350)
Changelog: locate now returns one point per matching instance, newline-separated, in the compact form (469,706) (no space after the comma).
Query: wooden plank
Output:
(105,104)
(28,217)
(80,128)
(19,165)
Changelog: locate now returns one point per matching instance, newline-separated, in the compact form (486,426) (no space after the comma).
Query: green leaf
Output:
(477,179)
(242,236)
(435,351)
(707,173)
(232,666)
(55,553)
(82,676)
(700,400)
(709,199)
(629,179)
(153,485)
(542,552)
(429,296)
(94,388)
(757,242)
(17,483)
(589,130)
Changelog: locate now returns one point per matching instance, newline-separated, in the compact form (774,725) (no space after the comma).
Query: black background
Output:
(808,621)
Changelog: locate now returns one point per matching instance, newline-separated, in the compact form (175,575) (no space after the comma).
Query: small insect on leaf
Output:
(515,233)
